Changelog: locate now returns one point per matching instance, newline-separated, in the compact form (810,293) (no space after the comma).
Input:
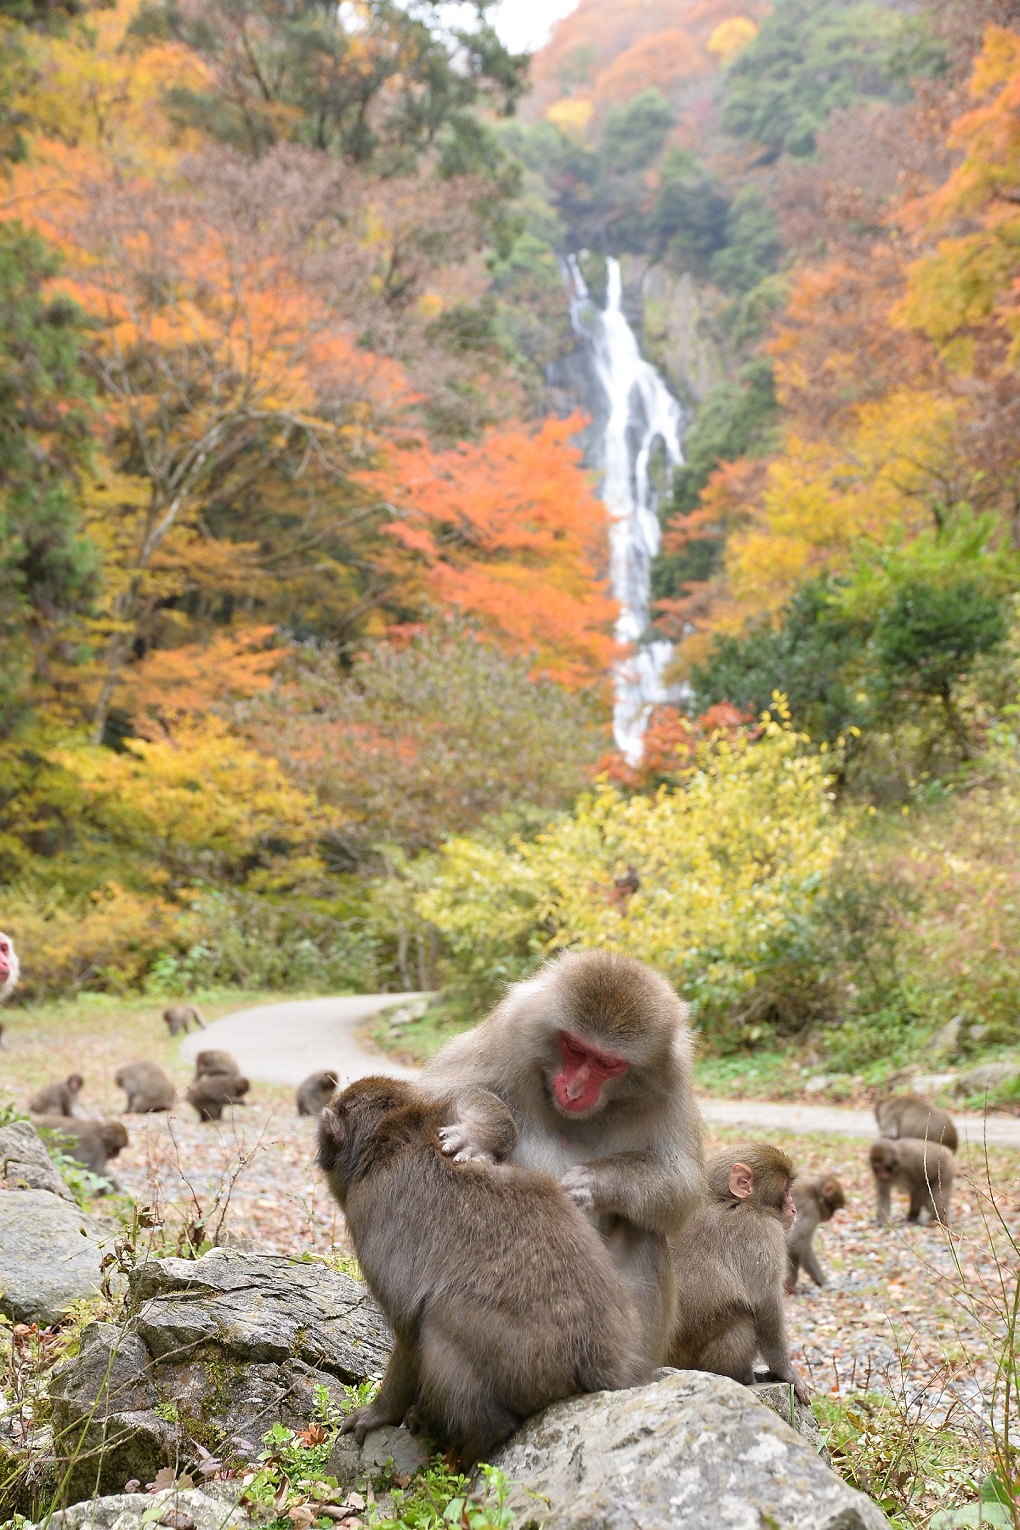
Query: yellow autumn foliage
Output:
(203,797)
(109,942)
(731,37)
(730,862)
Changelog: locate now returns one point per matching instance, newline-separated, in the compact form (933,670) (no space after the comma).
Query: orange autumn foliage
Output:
(193,678)
(508,531)
(671,742)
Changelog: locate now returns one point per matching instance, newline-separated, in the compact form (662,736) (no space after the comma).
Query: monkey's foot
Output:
(457,1144)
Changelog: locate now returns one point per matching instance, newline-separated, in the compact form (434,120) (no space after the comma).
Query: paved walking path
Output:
(283,1043)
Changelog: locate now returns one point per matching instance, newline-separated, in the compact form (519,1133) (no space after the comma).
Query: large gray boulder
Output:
(49,1255)
(689,1450)
(25,1163)
(215,1351)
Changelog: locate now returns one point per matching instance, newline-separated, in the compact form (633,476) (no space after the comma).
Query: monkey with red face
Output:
(593,1058)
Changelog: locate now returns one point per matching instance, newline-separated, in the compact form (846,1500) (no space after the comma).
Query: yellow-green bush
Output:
(730,863)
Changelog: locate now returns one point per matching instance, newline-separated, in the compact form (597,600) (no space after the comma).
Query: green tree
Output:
(381,86)
(810,57)
(47,565)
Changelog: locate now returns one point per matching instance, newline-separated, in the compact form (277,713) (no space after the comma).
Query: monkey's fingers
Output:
(579,1183)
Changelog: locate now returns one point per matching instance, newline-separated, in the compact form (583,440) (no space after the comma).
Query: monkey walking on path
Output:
(593,1059)
(500,1293)
(731,1265)
(910,1115)
(816,1200)
(922,1168)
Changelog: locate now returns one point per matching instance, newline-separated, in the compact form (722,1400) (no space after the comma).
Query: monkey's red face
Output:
(578,1086)
(5,957)
(788,1210)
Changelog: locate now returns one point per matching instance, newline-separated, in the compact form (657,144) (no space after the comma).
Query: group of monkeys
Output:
(562,1135)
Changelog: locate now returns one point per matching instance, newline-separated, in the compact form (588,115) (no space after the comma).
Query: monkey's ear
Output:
(829,1188)
(332,1128)
(741,1181)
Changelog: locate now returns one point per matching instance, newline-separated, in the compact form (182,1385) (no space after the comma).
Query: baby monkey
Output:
(816,1200)
(501,1295)
(731,1264)
(922,1168)
(57,1099)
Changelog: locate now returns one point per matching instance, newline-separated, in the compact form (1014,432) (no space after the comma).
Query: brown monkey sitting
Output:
(91,1143)
(500,1293)
(908,1115)
(215,1061)
(816,1200)
(212,1091)
(147,1087)
(316,1091)
(593,1057)
(731,1263)
(923,1169)
(180,1016)
(57,1099)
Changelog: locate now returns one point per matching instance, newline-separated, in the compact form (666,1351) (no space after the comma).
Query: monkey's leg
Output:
(731,1349)
(882,1187)
(395,1398)
(792,1269)
(461,1390)
(812,1266)
(775,1350)
(644,1262)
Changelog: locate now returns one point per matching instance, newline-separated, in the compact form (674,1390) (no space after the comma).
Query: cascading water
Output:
(641,412)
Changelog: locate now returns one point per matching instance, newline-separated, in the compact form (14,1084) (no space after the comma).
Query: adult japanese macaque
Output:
(924,1170)
(212,1091)
(593,1057)
(91,1143)
(909,1115)
(57,1099)
(179,1017)
(213,1062)
(147,1087)
(316,1091)
(817,1201)
(731,1264)
(10,967)
(501,1295)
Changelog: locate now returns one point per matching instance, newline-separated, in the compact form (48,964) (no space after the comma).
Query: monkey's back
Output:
(497,1263)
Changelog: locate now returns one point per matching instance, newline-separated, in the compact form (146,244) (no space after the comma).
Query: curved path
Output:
(282,1043)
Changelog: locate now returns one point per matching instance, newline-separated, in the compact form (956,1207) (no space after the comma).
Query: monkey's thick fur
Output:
(634,1161)
(316,1091)
(212,1091)
(500,1293)
(910,1115)
(731,1264)
(90,1142)
(921,1168)
(816,1200)
(57,1099)
(147,1087)
(215,1061)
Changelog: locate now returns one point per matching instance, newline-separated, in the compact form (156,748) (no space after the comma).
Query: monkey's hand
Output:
(460,1144)
(579,1183)
(360,1420)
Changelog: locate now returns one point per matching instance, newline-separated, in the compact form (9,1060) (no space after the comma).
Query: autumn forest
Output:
(305,610)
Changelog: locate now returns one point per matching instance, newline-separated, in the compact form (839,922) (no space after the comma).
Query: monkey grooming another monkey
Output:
(816,1200)
(316,1091)
(180,1016)
(501,1295)
(908,1115)
(211,1062)
(731,1263)
(147,1087)
(212,1091)
(10,967)
(593,1058)
(91,1143)
(923,1169)
(57,1099)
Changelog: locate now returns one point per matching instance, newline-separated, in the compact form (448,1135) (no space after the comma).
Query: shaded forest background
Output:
(303,599)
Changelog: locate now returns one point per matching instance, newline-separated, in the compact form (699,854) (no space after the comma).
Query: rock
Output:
(49,1256)
(779,1397)
(689,1450)
(25,1163)
(987,1076)
(818,1084)
(216,1348)
(679,332)
(931,1083)
(348,1462)
(210,1507)
(947,1039)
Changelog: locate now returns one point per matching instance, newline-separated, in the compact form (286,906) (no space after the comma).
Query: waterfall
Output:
(641,412)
